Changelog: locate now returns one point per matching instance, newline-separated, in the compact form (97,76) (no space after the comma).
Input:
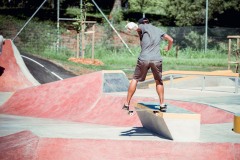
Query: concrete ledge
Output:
(114,81)
(175,124)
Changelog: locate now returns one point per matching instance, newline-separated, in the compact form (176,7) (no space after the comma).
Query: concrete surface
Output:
(39,67)
(74,119)
(16,75)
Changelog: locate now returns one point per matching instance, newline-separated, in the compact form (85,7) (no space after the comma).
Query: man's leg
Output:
(131,90)
(139,75)
(160,92)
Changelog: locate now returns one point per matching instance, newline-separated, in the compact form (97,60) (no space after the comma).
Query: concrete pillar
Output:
(236,127)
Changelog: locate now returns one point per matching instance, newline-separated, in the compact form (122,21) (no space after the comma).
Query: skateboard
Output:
(154,111)
(131,113)
(127,109)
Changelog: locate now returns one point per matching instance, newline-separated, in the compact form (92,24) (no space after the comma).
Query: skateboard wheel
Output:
(156,113)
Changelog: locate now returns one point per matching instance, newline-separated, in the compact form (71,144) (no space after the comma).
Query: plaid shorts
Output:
(142,68)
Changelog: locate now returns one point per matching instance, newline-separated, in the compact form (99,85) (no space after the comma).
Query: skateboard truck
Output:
(156,112)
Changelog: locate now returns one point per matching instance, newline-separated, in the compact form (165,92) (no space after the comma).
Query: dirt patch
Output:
(68,39)
(87,61)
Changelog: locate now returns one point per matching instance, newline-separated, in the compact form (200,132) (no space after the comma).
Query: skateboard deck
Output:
(154,111)
(129,112)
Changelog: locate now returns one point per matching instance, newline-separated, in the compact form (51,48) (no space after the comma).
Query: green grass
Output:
(122,59)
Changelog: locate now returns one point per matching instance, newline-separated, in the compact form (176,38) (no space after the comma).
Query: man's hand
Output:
(170,42)
(166,48)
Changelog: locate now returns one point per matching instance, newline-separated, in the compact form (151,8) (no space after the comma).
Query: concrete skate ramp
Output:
(115,81)
(209,114)
(79,99)
(19,146)
(83,99)
(66,99)
(86,99)
(15,74)
(26,145)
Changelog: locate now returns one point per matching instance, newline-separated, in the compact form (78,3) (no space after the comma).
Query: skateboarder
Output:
(150,57)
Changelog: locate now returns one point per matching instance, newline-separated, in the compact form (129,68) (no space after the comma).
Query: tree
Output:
(79,25)
(116,12)
(192,12)
(148,6)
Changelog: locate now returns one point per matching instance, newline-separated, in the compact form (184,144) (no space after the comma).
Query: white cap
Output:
(131,26)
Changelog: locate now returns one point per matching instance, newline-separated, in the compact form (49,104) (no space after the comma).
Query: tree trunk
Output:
(116,6)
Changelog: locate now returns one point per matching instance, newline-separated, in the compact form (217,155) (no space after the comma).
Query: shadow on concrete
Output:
(141,131)
(1,70)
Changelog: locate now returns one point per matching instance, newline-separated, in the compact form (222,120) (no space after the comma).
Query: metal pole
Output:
(203,82)
(236,85)
(29,20)
(112,26)
(171,81)
(206,27)
(93,41)
(80,34)
(58,15)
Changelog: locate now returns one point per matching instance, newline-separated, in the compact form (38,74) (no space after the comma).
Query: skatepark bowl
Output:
(81,118)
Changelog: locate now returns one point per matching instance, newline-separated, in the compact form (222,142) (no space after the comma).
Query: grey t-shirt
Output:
(150,42)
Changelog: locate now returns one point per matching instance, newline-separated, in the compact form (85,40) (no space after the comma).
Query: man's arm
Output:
(170,42)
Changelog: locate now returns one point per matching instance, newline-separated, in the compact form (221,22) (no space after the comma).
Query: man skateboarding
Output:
(149,57)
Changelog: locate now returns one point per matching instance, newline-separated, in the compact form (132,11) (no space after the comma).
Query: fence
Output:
(42,36)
